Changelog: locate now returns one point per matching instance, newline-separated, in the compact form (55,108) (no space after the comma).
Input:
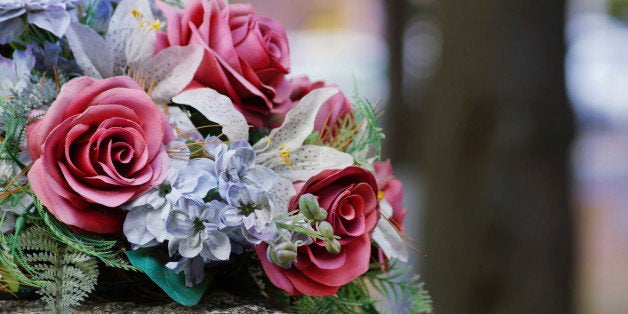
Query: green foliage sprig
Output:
(88,243)
(390,280)
(14,115)
(353,297)
(64,275)
(358,134)
(370,133)
(397,283)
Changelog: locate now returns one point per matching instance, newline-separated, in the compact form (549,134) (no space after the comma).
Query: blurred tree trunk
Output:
(496,135)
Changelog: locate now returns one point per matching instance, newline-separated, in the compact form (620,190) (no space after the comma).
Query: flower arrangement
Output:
(178,147)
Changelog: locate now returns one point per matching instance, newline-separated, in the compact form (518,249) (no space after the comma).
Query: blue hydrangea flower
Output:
(51,15)
(145,224)
(246,187)
(193,181)
(15,74)
(194,229)
(193,268)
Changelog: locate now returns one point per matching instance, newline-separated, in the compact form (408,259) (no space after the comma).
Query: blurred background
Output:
(507,122)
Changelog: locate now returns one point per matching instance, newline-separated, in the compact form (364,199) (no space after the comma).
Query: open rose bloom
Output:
(246,56)
(183,148)
(100,144)
(350,197)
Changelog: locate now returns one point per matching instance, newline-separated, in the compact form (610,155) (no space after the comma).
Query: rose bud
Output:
(309,207)
(326,230)
(283,254)
(332,246)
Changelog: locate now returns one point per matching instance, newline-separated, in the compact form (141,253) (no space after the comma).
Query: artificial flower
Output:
(15,74)
(389,228)
(50,15)
(128,48)
(100,144)
(282,150)
(333,111)
(246,56)
(350,198)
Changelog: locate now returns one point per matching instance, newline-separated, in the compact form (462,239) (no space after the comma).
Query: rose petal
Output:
(322,259)
(275,274)
(359,250)
(92,219)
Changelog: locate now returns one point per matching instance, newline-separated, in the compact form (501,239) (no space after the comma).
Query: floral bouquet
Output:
(166,140)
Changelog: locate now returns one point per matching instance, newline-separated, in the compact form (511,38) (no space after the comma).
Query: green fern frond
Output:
(353,297)
(65,276)
(91,244)
(400,286)
(370,134)
(10,263)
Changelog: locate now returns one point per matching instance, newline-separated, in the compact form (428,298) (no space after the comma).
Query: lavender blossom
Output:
(145,224)
(194,229)
(15,74)
(50,15)
(193,268)
(245,186)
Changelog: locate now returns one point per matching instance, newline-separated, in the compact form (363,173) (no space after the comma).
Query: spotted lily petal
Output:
(298,124)
(308,160)
(217,108)
(90,50)
(123,23)
(388,237)
(171,70)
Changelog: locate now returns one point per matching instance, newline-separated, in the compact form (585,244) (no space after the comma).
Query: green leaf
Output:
(153,262)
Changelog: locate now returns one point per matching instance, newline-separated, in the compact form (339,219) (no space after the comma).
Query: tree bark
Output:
(496,138)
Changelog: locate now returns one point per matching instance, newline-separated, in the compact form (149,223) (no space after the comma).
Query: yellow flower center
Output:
(284,154)
(155,26)
(380,195)
(137,14)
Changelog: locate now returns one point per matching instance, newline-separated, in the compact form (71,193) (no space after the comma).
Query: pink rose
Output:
(392,190)
(350,198)
(335,109)
(246,56)
(98,146)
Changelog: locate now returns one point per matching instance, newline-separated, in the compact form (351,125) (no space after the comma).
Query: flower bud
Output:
(282,254)
(309,207)
(326,230)
(332,246)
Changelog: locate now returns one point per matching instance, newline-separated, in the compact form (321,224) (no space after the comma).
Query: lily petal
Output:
(172,69)
(121,26)
(140,46)
(298,124)
(90,50)
(388,237)
(282,191)
(309,160)
(217,108)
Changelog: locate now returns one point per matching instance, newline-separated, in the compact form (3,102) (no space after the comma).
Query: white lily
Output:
(282,150)
(387,236)
(128,46)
